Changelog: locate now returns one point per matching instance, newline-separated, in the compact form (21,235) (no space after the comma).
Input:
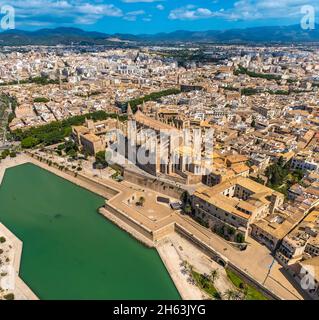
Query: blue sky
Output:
(151,16)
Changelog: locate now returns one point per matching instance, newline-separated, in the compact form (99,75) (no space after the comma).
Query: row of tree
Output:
(6,153)
(134,103)
(42,80)
(252,74)
(57,131)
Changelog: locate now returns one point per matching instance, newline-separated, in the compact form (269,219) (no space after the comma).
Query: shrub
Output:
(29,142)
(142,201)
(41,99)
(5,153)
(240,238)
(56,131)
(9,296)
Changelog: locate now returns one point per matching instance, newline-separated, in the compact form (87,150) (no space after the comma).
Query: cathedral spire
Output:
(129,111)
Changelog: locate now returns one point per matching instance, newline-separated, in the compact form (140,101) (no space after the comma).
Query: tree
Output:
(188,209)
(186,202)
(214,275)
(56,131)
(61,147)
(231,231)
(70,145)
(238,295)
(281,162)
(41,100)
(72,154)
(142,201)
(185,264)
(276,177)
(29,142)
(240,238)
(100,159)
(134,103)
(276,173)
(259,180)
(5,153)
(9,296)
(185,197)
(230,294)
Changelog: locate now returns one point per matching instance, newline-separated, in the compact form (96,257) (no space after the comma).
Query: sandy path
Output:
(201,263)
(173,262)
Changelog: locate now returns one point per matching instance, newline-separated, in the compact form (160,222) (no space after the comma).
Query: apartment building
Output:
(302,242)
(304,161)
(92,135)
(237,203)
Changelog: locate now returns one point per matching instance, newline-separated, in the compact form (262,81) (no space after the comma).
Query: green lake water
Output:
(69,250)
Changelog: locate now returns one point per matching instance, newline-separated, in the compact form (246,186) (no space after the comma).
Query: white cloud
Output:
(266,9)
(136,13)
(246,10)
(190,12)
(132,15)
(160,7)
(145,1)
(42,12)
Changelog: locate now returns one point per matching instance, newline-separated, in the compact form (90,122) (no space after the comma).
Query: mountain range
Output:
(67,36)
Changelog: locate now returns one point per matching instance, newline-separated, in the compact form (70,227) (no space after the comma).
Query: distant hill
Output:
(56,36)
(290,34)
(67,36)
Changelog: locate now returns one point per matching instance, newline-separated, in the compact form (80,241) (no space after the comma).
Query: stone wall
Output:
(112,192)
(163,232)
(99,187)
(130,221)
(251,281)
(155,184)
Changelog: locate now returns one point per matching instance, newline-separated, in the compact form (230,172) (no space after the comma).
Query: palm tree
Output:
(214,275)
(142,201)
(188,209)
(185,197)
(185,264)
(230,294)
(239,296)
